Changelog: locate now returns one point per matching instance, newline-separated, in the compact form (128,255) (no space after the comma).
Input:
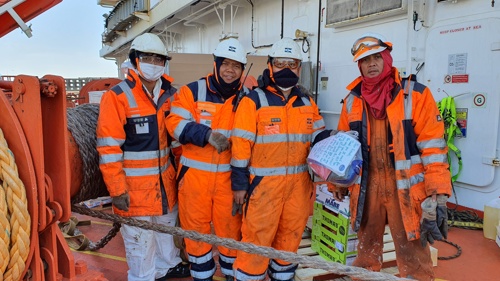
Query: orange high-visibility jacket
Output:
(133,145)
(416,143)
(196,110)
(273,136)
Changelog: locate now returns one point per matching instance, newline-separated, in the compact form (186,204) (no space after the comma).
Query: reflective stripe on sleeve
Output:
(434,143)
(109,142)
(110,158)
(185,114)
(319,124)
(180,127)
(243,134)
(435,158)
(239,163)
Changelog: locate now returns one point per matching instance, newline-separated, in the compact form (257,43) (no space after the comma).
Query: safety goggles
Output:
(152,59)
(370,43)
(286,62)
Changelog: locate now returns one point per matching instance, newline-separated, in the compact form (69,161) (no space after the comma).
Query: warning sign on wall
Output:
(460,78)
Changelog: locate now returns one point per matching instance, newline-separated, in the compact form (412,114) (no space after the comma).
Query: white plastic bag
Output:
(337,159)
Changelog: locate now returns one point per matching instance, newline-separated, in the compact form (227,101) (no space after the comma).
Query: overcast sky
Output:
(66,41)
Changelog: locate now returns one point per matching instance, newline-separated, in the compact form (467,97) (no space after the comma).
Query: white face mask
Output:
(151,72)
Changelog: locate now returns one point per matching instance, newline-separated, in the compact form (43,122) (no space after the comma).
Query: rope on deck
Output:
(352,271)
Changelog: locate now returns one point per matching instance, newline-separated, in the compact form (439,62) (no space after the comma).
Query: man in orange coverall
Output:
(201,119)
(134,156)
(405,180)
(273,130)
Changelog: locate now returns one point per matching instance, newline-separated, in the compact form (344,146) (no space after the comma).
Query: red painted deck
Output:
(480,259)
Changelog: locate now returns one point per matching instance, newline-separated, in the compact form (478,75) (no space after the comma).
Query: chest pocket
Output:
(270,121)
(205,113)
(305,118)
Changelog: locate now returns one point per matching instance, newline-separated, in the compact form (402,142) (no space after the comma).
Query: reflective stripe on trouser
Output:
(276,216)
(381,206)
(205,198)
(150,254)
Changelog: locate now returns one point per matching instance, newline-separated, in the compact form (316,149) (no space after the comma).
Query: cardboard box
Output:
(331,254)
(325,197)
(336,222)
(331,235)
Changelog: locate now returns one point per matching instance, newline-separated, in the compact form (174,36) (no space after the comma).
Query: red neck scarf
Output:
(377,91)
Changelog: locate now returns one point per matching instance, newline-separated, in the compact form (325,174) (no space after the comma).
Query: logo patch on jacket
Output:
(275,120)
(309,123)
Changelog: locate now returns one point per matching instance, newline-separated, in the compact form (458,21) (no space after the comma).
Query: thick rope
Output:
(4,235)
(82,122)
(356,272)
(14,195)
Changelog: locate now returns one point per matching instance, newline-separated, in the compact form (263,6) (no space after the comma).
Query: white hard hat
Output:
(149,43)
(231,49)
(286,48)
(368,44)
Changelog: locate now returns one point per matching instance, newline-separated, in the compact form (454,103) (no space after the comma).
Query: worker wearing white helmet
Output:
(274,128)
(202,119)
(405,179)
(134,149)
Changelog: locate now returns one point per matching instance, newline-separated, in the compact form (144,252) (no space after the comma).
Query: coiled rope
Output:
(356,272)
(82,122)
(15,220)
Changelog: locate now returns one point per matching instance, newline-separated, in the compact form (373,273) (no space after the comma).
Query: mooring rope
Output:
(314,262)
(82,122)
(14,217)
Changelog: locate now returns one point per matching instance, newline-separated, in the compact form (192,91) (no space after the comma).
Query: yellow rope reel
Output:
(15,221)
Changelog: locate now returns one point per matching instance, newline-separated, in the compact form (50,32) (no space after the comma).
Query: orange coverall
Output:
(407,158)
(205,194)
(271,140)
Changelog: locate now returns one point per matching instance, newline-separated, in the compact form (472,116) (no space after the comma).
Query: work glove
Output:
(121,202)
(237,209)
(429,230)
(442,215)
(219,141)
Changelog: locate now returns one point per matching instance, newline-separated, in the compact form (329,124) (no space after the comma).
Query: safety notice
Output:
(460,78)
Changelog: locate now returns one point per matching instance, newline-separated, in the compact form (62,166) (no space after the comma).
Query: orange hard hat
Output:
(369,44)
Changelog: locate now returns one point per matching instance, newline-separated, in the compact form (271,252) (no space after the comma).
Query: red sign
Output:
(460,78)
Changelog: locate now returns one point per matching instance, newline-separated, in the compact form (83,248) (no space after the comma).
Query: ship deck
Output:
(479,260)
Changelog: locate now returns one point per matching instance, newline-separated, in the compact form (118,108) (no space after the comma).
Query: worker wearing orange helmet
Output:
(135,160)
(202,119)
(405,180)
(274,127)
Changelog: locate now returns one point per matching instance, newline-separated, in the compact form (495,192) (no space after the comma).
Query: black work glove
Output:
(442,215)
(429,230)
(237,209)
(121,202)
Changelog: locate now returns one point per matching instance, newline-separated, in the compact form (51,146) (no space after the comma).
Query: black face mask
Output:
(226,90)
(285,79)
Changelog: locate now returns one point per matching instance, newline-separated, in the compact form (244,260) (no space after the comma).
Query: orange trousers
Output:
(381,207)
(206,199)
(276,217)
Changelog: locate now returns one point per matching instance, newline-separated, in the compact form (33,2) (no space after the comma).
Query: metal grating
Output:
(122,16)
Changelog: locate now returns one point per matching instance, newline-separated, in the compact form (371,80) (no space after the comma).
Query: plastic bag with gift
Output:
(337,159)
